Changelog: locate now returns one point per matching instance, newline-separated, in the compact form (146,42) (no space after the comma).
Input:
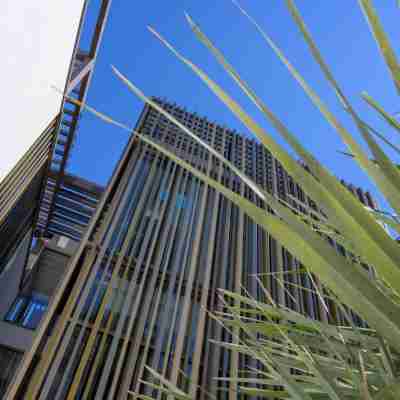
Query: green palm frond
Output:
(301,358)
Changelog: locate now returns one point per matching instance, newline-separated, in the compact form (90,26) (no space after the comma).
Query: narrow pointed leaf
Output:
(215,153)
(377,107)
(382,40)
(172,388)
(354,288)
(388,177)
(385,186)
(328,196)
(386,220)
(383,138)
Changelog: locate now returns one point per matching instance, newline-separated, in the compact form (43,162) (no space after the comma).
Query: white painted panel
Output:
(36,44)
(63,242)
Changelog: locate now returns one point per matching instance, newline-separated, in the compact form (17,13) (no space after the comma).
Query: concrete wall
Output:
(15,337)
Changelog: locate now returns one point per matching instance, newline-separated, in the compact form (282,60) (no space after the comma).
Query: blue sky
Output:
(341,33)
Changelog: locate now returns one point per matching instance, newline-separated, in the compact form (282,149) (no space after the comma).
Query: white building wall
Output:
(36,42)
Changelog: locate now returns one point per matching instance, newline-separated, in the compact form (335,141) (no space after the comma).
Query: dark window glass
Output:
(27,311)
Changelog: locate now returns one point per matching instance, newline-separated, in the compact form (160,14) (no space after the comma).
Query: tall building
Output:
(19,198)
(40,170)
(35,272)
(35,116)
(159,246)
(33,181)
(21,315)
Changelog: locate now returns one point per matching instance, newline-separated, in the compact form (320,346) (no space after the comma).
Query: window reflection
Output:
(181,200)
(27,311)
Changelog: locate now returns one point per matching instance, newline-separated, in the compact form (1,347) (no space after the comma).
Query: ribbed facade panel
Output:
(164,243)
(73,203)
(19,194)
(9,359)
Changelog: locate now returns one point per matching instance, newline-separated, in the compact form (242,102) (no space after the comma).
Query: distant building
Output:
(159,246)
(72,206)
(365,197)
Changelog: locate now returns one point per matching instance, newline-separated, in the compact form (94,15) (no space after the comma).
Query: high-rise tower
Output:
(159,246)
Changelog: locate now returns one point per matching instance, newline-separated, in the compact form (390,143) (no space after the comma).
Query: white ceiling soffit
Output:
(37,39)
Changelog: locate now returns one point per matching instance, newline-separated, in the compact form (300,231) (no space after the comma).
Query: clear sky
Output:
(339,28)
(27,33)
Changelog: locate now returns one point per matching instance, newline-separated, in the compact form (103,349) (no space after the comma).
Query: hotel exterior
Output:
(157,249)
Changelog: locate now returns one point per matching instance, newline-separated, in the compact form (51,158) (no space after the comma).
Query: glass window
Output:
(27,311)
(181,201)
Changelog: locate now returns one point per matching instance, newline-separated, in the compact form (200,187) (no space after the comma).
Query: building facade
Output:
(158,248)
(36,192)
(36,270)
(73,203)
(20,194)
(22,313)
(22,186)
